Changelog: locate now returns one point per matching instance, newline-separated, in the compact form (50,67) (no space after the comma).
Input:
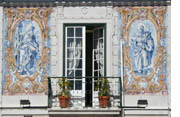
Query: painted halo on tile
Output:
(143,54)
(27,52)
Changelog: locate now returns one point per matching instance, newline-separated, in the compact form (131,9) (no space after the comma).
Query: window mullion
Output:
(74,58)
(66,53)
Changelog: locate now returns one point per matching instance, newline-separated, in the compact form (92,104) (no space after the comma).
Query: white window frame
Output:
(80,93)
(95,93)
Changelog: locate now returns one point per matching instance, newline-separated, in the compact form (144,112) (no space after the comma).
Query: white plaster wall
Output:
(58,17)
(158,102)
(82,15)
(85,115)
(13,116)
(23,115)
(115,44)
(36,100)
(146,116)
(22,112)
(154,101)
(82,12)
(110,17)
(146,113)
(54,43)
(14,101)
(169,54)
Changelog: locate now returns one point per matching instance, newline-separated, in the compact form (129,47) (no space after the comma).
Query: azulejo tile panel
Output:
(27,51)
(144,49)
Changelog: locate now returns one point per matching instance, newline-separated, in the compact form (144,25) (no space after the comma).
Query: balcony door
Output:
(75,61)
(84,56)
(98,52)
(98,60)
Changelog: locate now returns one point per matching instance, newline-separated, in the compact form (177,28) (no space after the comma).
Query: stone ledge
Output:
(85,111)
(147,112)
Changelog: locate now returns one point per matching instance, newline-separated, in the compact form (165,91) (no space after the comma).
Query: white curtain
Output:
(73,54)
(78,52)
(99,56)
(70,61)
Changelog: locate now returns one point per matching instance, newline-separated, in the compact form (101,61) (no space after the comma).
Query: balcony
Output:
(84,95)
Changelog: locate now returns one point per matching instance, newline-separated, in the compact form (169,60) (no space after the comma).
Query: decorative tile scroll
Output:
(26,51)
(144,49)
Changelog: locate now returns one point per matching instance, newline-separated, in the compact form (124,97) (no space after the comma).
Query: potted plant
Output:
(104,89)
(64,95)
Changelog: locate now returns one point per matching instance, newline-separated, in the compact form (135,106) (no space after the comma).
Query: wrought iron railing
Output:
(85,92)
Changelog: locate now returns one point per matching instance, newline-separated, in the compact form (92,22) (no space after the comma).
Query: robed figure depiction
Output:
(143,48)
(27,50)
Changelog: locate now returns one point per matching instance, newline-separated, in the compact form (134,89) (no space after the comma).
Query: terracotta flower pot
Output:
(104,101)
(64,101)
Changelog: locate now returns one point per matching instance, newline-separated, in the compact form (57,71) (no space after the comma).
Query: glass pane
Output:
(70,63)
(101,73)
(72,84)
(70,73)
(70,53)
(78,73)
(70,42)
(101,63)
(101,45)
(96,34)
(78,42)
(101,55)
(78,32)
(100,33)
(70,32)
(95,43)
(78,63)
(95,65)
(96,85)
(78,85)
(96,55)
(78,53)
(96,73)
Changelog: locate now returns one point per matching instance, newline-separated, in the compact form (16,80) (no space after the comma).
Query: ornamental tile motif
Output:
(142,31)
(27,51)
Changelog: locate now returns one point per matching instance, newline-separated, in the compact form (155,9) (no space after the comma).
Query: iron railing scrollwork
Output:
(90,91)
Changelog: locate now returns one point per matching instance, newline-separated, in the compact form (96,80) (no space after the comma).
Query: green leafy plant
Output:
(64,86)
(103,87)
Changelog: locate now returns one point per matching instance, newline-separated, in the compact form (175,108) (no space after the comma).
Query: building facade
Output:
(125,42)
